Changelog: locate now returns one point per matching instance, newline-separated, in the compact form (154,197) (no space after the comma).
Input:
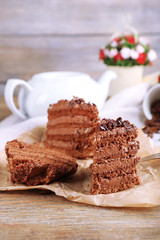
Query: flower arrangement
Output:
(128,50)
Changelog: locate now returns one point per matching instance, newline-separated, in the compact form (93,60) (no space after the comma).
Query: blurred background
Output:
(60,35)
(49,35)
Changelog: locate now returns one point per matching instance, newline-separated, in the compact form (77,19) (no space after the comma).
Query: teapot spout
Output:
(105,81)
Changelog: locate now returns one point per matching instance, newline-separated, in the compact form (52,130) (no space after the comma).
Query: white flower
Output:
(152,55)
(106,52)
(113,52)
(114,44)
(125,52)
(143,40)
(134,54)
(121,42)
(140,49)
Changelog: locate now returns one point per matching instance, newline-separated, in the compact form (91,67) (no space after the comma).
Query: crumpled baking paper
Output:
(77,187)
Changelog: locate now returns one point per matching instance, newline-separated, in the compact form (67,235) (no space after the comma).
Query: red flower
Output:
(116,39)
(142,58)
(101,54)
(118,57)
(130,39)
(159,79)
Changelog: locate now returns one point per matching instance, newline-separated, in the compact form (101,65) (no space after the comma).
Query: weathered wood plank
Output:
(30,215)
(72,17)
(23,57)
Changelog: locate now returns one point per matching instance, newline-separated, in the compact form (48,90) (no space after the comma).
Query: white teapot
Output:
(49,87)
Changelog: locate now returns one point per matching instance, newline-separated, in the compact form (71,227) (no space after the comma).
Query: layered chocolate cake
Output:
(71,127)
(115,160)
(34,164)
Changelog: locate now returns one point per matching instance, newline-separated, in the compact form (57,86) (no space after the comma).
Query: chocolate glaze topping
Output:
(110,124)
(78,101)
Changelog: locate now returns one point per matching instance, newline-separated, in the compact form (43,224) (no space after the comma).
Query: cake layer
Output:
(74,149)
(114,167)
(71,131)
(76,106)
(70,141)
(118,134)
(115,139)
(34,164)
(102,185)
(116,148)
(118,128)
(73,145)
(17,148)
(87,152)
(73,136)
(77,120)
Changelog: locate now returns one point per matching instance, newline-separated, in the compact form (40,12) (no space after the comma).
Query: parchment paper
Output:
(77,187)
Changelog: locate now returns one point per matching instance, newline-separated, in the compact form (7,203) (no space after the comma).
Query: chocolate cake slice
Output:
(35,164)
(116,139)
(115,160)
(71,127)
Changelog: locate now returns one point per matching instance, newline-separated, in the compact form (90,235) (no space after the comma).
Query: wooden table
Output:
(43,215)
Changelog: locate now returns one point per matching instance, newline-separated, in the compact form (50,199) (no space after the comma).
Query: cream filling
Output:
(78,119)
(60,144)
(69,131)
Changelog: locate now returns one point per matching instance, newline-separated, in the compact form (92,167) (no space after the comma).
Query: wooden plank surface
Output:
(23,57)
(70,17)
(35,215)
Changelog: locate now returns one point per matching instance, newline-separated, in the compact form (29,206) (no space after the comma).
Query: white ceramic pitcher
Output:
(49,87)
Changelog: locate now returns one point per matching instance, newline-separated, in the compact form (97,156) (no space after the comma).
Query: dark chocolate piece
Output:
(153,126)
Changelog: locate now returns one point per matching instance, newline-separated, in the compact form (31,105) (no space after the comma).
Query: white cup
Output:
(151,96)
